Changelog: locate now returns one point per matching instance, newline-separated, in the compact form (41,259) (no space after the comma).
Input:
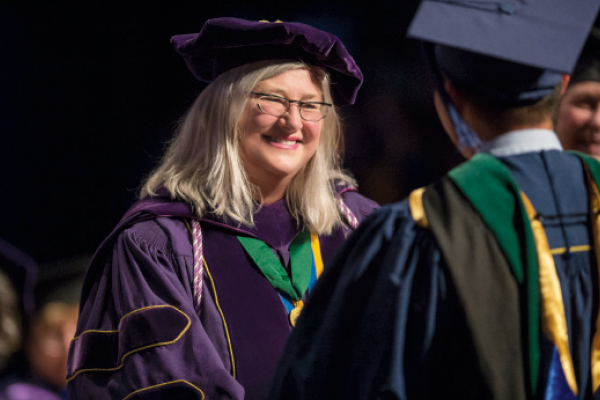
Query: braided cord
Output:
(348,215)
(198,264)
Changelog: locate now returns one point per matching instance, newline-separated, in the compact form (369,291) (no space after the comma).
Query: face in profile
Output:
(274,148)
(578,120)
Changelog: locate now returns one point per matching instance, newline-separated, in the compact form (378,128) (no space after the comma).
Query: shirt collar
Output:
(521,141)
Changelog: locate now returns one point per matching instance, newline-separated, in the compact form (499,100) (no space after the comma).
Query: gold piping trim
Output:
(94,331)
(572,249)
(164,384)
(594,197)
(415,202)
(554,321)
(316,247)
(214,290)
(134,350)
(225,327)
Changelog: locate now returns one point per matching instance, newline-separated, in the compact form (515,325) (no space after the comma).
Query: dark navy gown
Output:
(385,320)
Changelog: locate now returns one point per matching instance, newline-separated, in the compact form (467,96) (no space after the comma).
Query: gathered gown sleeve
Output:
(371,327)
(360,205)
(138,335)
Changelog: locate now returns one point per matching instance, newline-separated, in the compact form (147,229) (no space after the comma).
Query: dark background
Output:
(90,93)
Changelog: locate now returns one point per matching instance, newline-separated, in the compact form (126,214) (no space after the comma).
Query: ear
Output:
(457,100)
(564,83)
(448,126)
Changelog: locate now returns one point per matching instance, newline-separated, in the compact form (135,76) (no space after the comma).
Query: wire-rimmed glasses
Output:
(277,106)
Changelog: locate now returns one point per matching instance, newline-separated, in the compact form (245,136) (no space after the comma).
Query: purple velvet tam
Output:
(226,43)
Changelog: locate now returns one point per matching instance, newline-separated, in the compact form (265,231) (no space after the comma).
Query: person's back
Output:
(484,284)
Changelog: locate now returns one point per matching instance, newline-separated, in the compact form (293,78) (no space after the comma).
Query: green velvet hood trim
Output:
(493,193)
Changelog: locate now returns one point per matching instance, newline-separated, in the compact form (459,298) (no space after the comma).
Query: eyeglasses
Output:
(277,106)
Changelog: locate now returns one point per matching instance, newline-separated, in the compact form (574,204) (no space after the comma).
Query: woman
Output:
(195,292)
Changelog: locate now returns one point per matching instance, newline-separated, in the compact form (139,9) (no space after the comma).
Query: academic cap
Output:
(226,43)
(588,66)
(512,52)
(61,280)
(547,34)
(21,270)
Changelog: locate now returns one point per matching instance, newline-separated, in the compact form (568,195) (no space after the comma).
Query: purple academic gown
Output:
(138,334)
(28,389)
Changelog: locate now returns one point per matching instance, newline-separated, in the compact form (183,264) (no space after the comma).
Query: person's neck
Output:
(270,191)
(487,132)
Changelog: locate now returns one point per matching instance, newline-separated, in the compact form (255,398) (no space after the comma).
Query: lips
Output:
(280,140)
(593,149)
(277,140)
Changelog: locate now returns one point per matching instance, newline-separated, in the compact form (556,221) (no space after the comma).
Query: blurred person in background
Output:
(578,117)
(49,332)
(10,321)
(17,278)
(195,292)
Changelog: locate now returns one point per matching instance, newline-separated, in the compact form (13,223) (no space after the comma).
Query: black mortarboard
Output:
(21,269)
(61,280)
(588,66)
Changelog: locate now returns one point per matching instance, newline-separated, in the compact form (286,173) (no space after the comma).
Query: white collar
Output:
(521,141)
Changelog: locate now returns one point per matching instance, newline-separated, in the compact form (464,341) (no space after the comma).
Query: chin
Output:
(283,174)
(283,170)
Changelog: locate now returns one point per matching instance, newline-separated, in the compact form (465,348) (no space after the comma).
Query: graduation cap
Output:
(21,270)
(512,51)
(61,280)
(588,66)
(226,43)
(546,34)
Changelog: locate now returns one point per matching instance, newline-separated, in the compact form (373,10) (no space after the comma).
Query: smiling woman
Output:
(194,293)
(275,148)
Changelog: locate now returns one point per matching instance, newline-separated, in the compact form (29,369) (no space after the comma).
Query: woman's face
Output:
(578,123)
(274,149)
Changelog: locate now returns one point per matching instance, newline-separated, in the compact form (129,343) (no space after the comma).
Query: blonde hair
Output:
(202,165)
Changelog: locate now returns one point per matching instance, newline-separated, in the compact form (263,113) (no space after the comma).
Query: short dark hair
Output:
(502,117)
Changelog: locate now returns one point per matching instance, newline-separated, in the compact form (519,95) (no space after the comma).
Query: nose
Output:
(291,119)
